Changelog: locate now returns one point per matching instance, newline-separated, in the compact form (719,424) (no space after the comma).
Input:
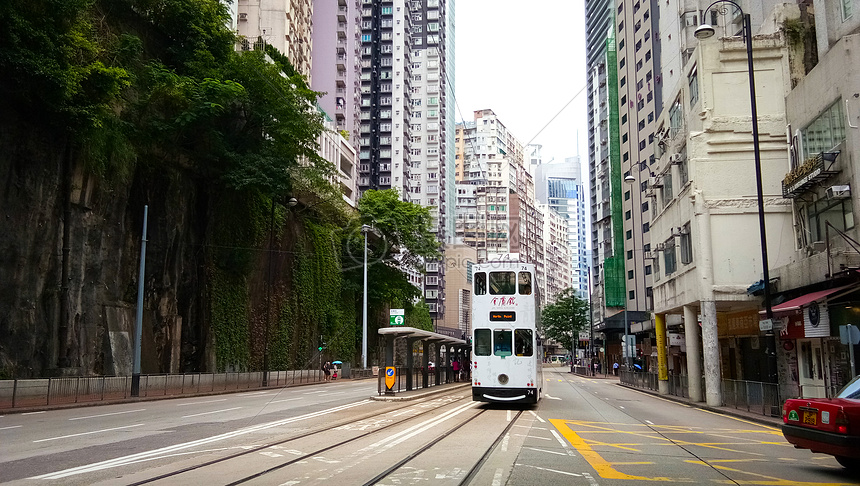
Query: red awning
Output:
(795,304)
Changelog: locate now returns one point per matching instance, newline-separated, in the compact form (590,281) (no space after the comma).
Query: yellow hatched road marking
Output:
(602,466)
(606,469)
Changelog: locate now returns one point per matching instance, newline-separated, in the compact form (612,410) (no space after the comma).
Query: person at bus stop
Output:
(326,368)
(615,368)
(455,365)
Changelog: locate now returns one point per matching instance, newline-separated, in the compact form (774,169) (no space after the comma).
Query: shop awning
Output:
(799,302)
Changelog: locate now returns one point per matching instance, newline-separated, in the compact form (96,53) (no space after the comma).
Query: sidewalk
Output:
(737,413)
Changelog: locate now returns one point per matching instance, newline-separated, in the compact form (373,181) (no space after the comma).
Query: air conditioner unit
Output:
(243,16)
(838,192)
(675,159)
(659,247)
(655,182)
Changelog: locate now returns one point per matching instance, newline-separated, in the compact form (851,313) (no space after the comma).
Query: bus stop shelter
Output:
(455,349)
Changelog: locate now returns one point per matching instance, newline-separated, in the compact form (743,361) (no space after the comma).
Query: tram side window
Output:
(502,342)
(523,342)
(480,283)
(503,283)
(482,342)
(525,283)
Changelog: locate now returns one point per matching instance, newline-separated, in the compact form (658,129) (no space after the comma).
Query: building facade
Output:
(404,114)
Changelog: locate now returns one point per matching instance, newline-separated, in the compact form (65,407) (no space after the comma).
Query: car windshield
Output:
(851,390)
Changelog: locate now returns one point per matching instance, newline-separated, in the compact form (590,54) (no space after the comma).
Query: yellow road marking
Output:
(606,469)
(602,466)
(762,479)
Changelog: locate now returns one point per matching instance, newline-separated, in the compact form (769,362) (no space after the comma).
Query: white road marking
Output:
(562,442)
(119,461)
(649,422)
(509,415)
(271,454)
(548,452)
(550,470)
(210,413)
(537,417)
(621,407)
(497,478)
(88,433)
(32,413)
(530,428)
(106,414)
(551,397)
(505,442)
(255,394)
(590,479)
(11,427)
(533,437)
(285,400)
(200,403)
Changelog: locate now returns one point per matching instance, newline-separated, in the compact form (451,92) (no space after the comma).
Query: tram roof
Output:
(421,334)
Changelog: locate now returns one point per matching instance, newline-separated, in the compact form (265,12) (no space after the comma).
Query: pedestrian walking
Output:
(615,368)
(456,367)
(327,371)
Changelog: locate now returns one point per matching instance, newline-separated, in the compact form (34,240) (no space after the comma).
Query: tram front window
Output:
(502,342)
(480,283)
(503,283)
(482,342)
(525,283)
(523,342)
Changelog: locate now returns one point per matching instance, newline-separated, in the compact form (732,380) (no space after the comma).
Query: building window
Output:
(629,234)
(669,256)
(627,215)
(627,195)
(838,212)
(631,295)
(647,269)
(629,274)
(646,227)
(825,132)
(668,192)
(629,254)
(847,9)
(693,83)
(686,245)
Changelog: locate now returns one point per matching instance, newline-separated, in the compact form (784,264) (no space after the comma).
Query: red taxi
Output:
(826,425)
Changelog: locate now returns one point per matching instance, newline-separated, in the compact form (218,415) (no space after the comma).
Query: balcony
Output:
(804,177)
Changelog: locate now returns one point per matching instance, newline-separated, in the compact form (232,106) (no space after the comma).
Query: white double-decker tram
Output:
(506,347)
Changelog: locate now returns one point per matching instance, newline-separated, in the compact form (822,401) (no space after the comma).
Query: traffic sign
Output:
(389,377)
(397,317)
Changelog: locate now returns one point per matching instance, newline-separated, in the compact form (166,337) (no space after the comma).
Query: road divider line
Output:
(107,414)
(210,413)
(89,433)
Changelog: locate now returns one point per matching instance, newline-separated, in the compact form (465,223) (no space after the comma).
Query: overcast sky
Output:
(525,60)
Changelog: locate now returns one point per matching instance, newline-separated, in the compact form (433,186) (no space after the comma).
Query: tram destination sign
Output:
(503,316)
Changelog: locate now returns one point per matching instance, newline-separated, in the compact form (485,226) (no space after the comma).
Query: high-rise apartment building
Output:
(496,209)
(557,259)
(403,117)
(284,24)
(335,70)
(559,186)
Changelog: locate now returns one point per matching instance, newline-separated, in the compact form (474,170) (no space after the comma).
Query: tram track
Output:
(257,449)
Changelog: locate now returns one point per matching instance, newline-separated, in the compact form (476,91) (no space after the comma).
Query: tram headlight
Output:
(503,379)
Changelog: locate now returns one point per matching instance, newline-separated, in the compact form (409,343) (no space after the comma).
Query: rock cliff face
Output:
(103,227)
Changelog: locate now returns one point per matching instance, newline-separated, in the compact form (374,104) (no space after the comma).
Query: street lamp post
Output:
(364,229)
(705,31)
(629,179)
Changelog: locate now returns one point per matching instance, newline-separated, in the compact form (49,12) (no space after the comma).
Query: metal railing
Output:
(23,393)
(752,396)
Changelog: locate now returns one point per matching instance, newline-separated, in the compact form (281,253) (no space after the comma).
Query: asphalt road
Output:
(585,431)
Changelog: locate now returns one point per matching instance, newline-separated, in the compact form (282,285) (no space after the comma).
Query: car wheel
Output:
(851,463)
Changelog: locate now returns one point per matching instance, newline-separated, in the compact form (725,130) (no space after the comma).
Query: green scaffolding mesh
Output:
(614,287)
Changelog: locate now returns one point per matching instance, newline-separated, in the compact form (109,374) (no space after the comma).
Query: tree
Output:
(563,319)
